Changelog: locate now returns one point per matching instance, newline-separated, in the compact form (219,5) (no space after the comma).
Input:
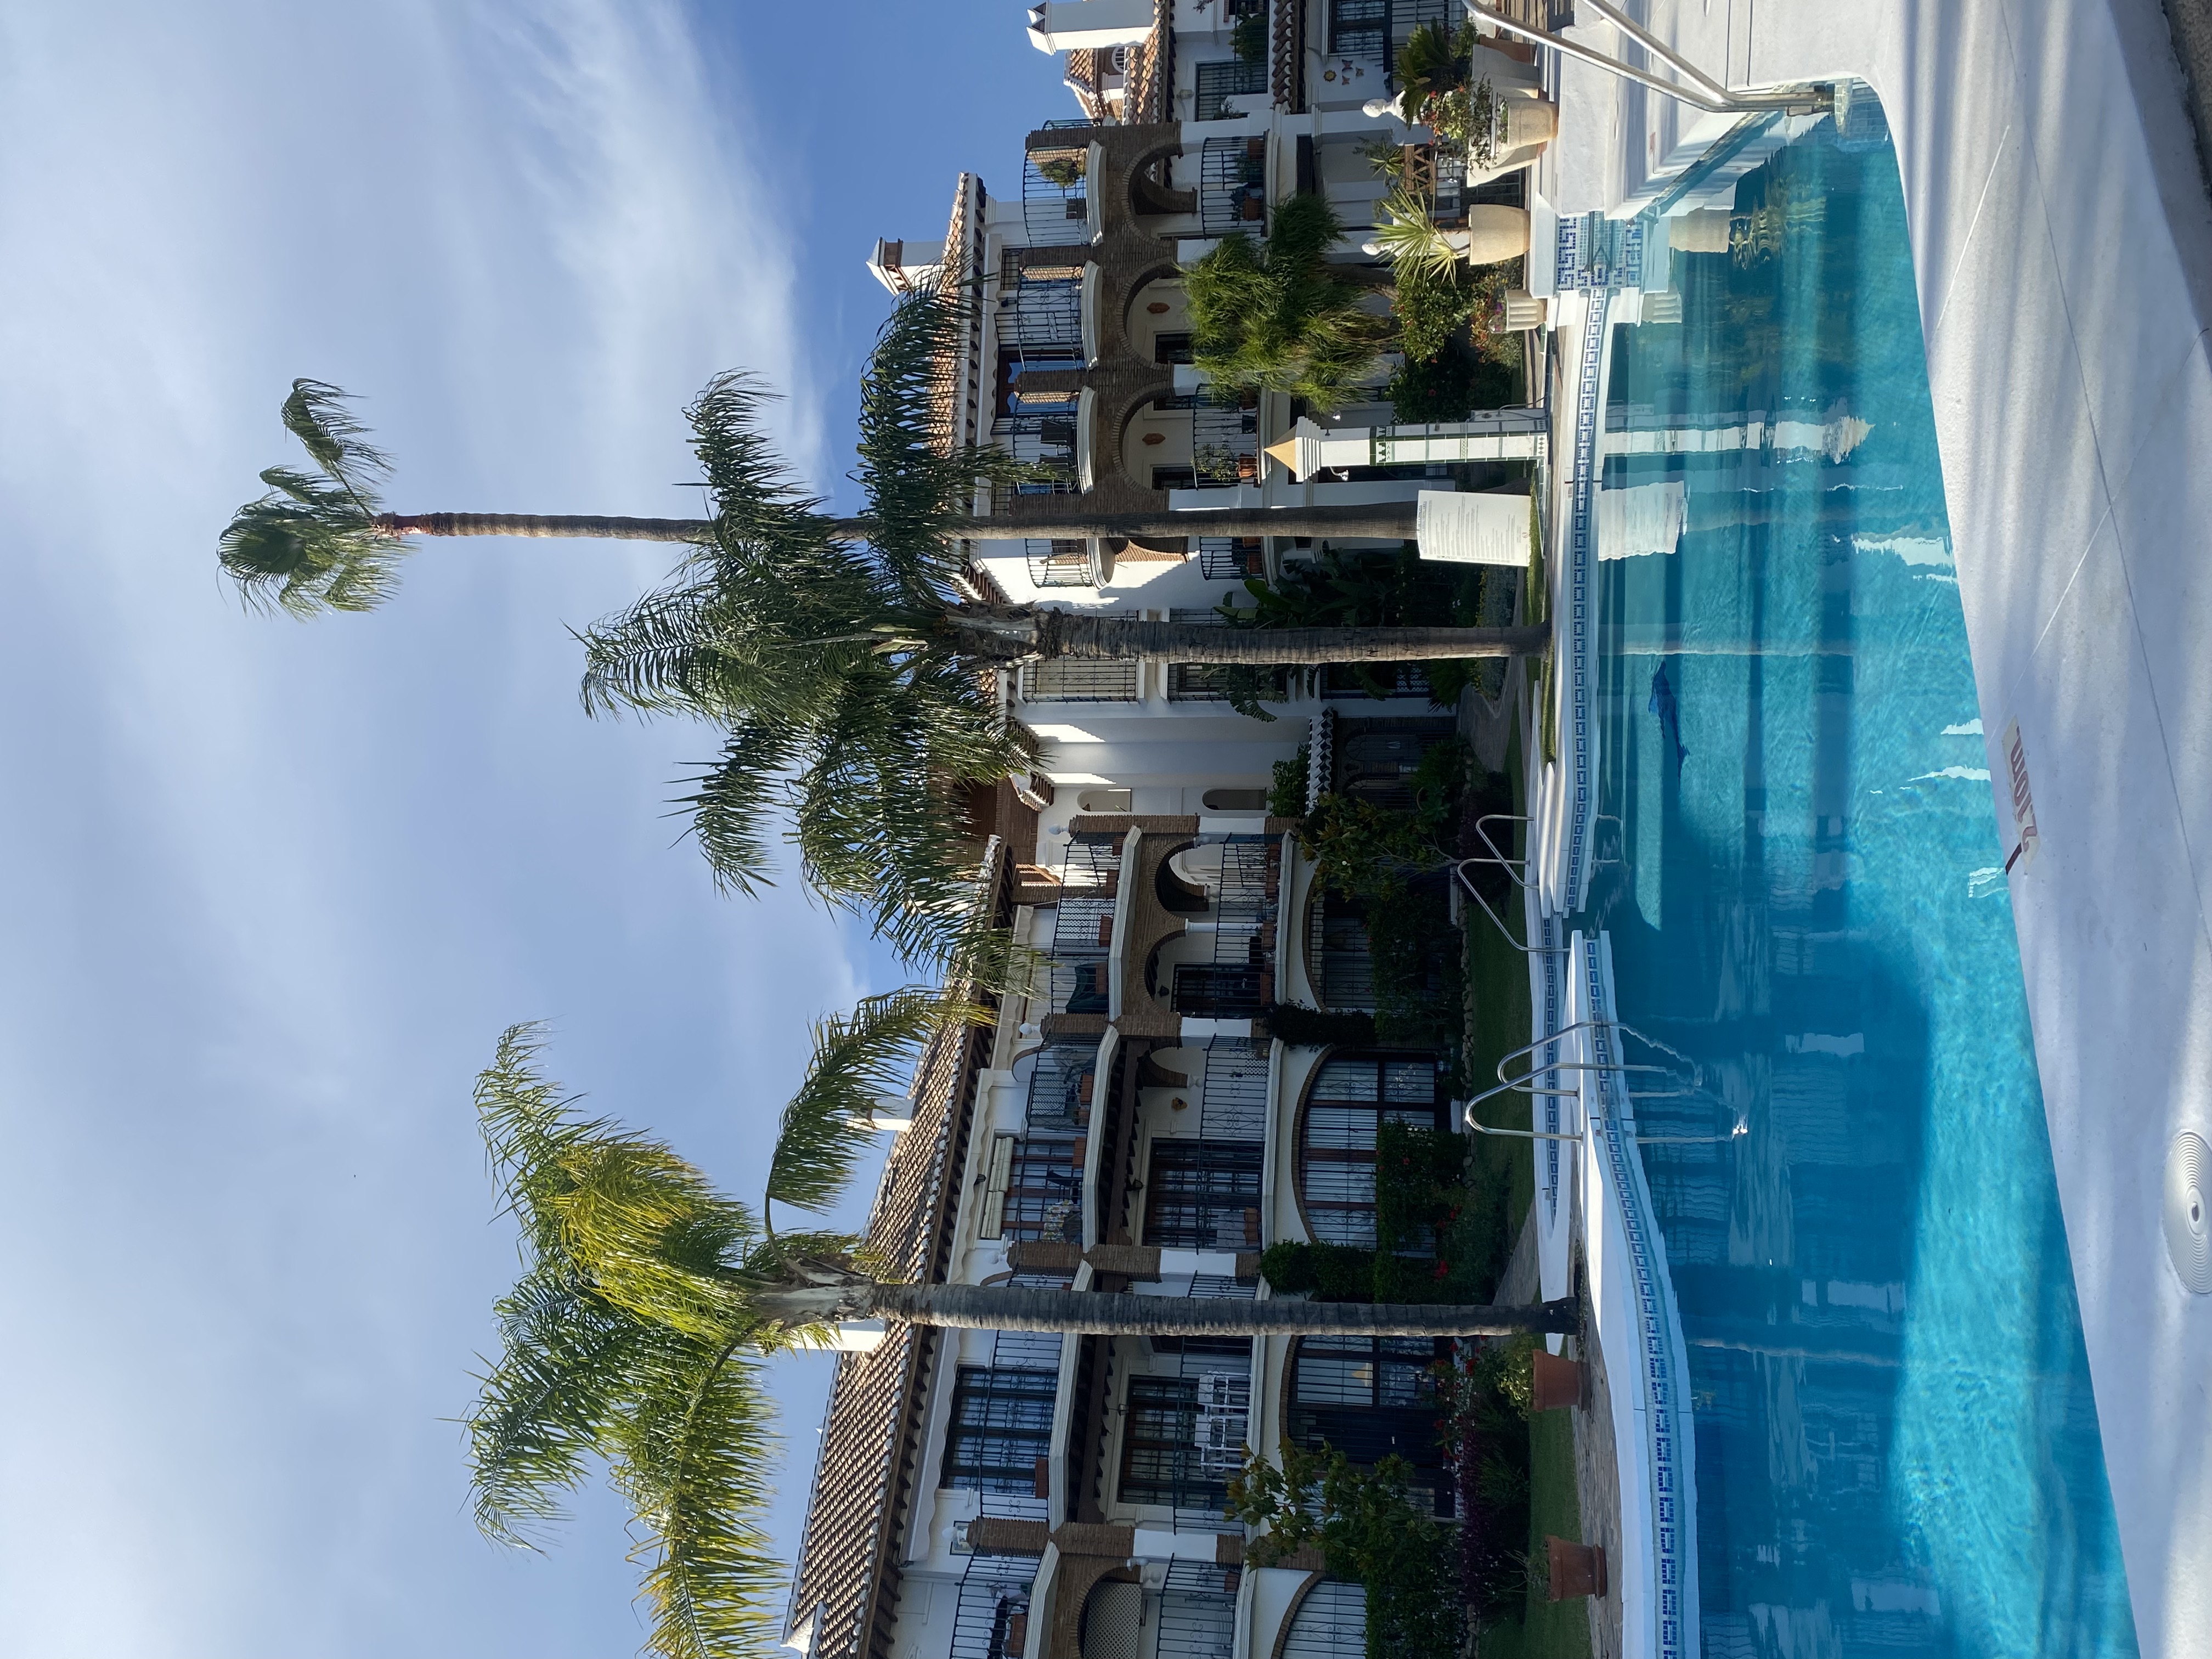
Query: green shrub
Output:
(1315,1028)
(1416,1186)
(1437,388)
(1249,38)
(1286,796)
(1066,171)
(1328,1272)
(1434,308)
(1371,1528)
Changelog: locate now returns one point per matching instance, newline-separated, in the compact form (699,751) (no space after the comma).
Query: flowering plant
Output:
(1473,116)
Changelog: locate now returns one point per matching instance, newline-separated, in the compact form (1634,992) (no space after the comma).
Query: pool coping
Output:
(1638,1329)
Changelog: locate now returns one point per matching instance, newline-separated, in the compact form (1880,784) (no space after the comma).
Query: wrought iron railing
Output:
(1035,313)
(1376,28)
(1054,208)
(1083,924)
(1225,444)
(1251,874)
(1077,978)
(1207,990)
(1063,1084)
(1060,679)
(1403,679)
(1231,558)
(1229,88)
(1232,186)
(1045,444)
(1058,563)
(991,1616)
(1338,959)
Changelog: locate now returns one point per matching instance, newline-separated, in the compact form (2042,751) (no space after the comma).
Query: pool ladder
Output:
(1517,870)
(1526,1084)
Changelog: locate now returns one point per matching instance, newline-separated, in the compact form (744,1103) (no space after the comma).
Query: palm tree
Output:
(848,660)
(322,540)
(1276,316)
(649,1301)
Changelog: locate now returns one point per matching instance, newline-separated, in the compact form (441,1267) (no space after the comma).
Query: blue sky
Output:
(271,890)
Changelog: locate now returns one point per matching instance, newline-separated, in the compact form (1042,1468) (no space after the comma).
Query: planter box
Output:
(1558,1382)
(1574,1568)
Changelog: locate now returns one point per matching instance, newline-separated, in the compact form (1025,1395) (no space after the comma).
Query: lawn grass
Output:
(1498,1022)
(1547,1629)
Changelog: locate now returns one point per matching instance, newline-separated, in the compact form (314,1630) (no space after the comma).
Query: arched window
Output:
(1354,1095)
(1331,1620)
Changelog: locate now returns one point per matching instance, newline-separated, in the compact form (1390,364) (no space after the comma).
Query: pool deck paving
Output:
(2063,249)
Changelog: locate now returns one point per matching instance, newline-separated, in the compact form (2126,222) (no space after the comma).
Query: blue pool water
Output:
(1897,1447)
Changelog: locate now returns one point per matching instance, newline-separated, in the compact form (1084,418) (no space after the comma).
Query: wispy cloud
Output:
(274,888)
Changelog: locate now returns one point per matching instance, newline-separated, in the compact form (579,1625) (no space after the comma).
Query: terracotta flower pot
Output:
(1558,1382)
(1574,1568)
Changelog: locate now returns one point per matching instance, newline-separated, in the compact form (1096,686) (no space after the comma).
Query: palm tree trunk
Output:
(1003,1308)
(1383,520)
(1067,516)
(542,524)
(1115,639)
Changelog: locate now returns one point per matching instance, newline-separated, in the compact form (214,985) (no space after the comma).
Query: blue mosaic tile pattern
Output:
(1669,1440)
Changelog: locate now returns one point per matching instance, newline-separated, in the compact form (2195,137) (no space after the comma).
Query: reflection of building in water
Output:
(1636,429)
(1792,1303)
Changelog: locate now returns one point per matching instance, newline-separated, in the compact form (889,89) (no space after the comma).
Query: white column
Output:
(1494,435)
(1071,25)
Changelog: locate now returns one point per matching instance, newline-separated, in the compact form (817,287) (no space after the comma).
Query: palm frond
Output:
(730,804)
(629,1336)
(1409,236)
(659,1242)
(311,544)
(920,492)
(858,1058)
(755,493)
(316,415)
(566,1364)
(697,1460)
(532,1134)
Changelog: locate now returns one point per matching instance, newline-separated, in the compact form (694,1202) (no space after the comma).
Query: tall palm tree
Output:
(322,540)
(848,660)
(1276,316)
(649,1301)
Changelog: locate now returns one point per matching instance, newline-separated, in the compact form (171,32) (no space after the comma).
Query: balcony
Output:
(1063,1083)
(1042,313)
(1055,207)
(1339,962)
(1059,563)
(1232,189)
(1231,558)
(1231,87)
(991,1615)
(1225,445)
(1046,445)
(1078,972)
(1065,680)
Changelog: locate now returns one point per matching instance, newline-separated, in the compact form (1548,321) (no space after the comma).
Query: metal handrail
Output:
(1517,869)
(1525,1085)
(1705,93)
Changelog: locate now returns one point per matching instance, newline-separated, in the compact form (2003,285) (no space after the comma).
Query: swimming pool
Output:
(1795,855)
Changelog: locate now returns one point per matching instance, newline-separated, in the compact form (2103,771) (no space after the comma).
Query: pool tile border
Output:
(1669,1448)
